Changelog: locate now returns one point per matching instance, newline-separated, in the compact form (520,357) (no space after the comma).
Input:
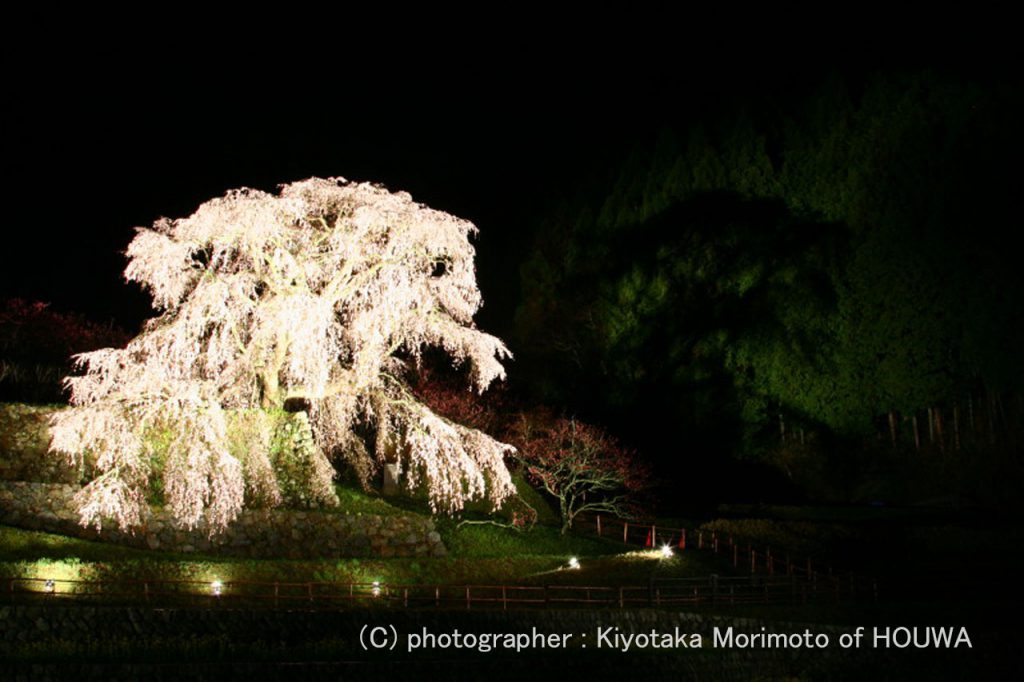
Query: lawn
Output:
(478,554)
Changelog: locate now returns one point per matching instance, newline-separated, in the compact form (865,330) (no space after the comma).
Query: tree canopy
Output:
(316,298)
(832,259)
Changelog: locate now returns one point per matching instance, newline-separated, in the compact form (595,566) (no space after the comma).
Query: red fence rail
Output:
(742,555)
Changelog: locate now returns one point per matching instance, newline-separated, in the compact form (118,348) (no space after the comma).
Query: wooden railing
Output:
(707,591)
(743,556)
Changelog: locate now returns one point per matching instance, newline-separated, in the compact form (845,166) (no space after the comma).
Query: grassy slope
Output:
(478,554)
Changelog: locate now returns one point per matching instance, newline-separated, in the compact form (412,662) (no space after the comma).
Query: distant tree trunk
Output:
(801,435)
(782,428)
(892,427)
(938,430)
(1019,402)
(917,433)
(991,418)
(931,421)
(956,426)
(970,415)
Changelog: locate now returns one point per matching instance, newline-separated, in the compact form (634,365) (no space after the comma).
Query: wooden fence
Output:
(742,555)
(707,591)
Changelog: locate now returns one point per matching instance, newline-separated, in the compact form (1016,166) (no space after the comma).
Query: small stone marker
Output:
(392,476)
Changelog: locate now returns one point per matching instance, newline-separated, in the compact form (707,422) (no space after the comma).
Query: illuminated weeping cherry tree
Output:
(317,296)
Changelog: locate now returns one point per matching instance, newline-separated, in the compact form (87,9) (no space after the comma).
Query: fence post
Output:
(504,596)
(700,539)
(735,556)
(437,595)
(405,597)
(714,542)
(682,540)
(753,560)
(277,593)
(622,600)
(771,565)
(625,532)
(654,537)
(469,599)
(598,525)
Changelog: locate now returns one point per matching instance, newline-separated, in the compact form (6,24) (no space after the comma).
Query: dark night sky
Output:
(94,151)
(97,151)
(99,141)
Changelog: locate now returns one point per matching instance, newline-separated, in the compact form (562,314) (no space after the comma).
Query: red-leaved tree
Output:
(579,464)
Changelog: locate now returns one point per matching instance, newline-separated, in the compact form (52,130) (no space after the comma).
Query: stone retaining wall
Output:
(255,533)
(24,445)
(297,644)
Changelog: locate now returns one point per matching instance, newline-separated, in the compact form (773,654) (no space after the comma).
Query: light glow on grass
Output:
(574,562)
(44,575)
(216,587)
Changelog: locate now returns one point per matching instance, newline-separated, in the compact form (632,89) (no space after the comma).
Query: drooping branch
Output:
(311,293)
